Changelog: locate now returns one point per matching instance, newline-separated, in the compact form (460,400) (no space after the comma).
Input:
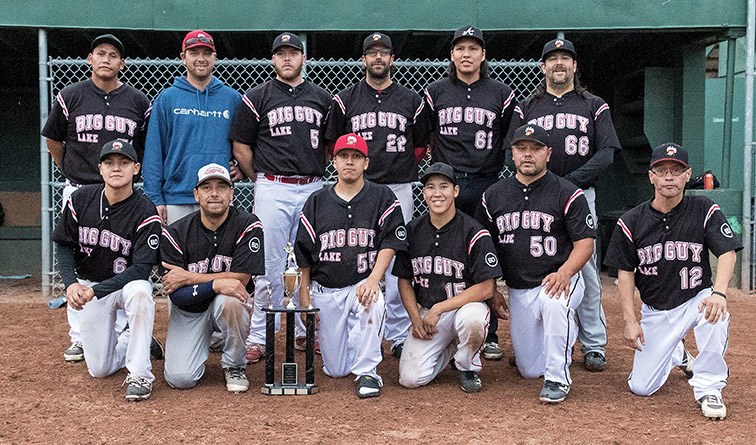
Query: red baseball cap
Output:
(198,38)
(350,141)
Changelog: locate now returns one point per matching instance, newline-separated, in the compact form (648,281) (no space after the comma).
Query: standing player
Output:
(348,235)
(584,143)
(277,141)
(209,258)
(83,117)
(662,247)
(188,128)
(393,121)
(449,269)
(544,235)
(470,115)
(107,243)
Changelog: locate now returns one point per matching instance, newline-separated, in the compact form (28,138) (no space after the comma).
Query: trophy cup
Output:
(289,383)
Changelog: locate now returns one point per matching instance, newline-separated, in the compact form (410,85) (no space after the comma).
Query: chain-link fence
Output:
(151,76)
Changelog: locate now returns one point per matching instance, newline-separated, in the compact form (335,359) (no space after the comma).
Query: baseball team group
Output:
(426,285)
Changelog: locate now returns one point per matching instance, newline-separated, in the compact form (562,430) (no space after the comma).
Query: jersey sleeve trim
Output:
(251,106)
(601,109)
(518,110)
(388,211)
(71,208)
(578,193)
(150,220)
(251,227)
(307,226)
(173,242)
(63,106)
(418,111)
(507,102)
(147,113)
(338,101)
(475,239)
(429,99)
(485,207)
(625,229)
(710,213)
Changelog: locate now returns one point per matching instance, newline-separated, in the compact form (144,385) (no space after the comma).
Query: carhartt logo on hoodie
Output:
(225,114)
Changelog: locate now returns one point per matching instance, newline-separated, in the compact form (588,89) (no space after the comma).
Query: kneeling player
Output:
(210,256)
(544,235)
(445,276)
(108,239)
(348,234)
(662,248)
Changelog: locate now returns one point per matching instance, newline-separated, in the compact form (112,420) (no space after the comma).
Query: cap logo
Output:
(351,140)
(213,170)
(376,37)
(671,151)
(559,43)
(117,145)
(468,32)
(529,131)
(285,38)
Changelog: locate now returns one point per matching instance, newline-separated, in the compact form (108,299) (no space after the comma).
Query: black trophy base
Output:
(280,390)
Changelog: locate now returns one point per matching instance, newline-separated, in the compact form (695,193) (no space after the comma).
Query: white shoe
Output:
(713,407)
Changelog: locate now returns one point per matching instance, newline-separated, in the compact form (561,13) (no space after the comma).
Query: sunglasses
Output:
(201,39)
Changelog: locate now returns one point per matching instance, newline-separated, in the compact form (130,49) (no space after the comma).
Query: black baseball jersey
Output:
(534,226)
(393,122)
(340,240)
(580,130)
(85,118)
(106,238)
(669,252)
(442,263)
(236,246)
(469,123)
(283,126)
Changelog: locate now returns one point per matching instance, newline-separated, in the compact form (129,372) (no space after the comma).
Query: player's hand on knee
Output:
(498,305)
(418,331)
(430,320)
(175,279)
(556,284)
(231,287)
(714,308)
(633,334)
(78,295)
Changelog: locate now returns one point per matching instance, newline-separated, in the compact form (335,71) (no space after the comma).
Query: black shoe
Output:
(594,361)
(469,381)
(157,350)
(397,350)
(367,387)
(686,365)
(138,388)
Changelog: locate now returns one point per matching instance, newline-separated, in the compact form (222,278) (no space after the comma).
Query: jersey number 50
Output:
(540,245)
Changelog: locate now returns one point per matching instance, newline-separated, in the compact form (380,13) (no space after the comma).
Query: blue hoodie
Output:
(188,129)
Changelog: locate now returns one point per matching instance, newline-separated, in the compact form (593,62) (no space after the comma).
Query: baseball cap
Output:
(468,31)
(350,141)
(439,168)
(198,38)
(670,152)
(533,133)
(287,39)
(108,38)
(211,171)
(376,38)
(118,147)
(558,45)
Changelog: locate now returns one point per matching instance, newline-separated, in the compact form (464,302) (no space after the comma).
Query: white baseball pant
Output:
(544,330)
(350,334)
(105,351)
(278,206)
(397,321)
(461,334)
(663,351)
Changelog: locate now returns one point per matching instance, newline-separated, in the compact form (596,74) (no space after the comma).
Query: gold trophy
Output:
(291,277)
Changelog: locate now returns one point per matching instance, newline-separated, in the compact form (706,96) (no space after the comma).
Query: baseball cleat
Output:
(686,365)
(594,361)
(491,351)
(157,350)
(469,381)
(367,387)
(255,352)
(74,353)
(138,388)
(397,350)
(553,392)
(713,407)
(236,380)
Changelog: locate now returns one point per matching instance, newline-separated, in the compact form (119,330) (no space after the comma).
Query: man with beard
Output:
(276,139)
(584,143)
(393,121)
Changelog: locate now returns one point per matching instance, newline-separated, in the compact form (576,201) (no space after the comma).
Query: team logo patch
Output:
(671,151)
(285,38)
(254,244)
(117,145)
(153,241)
(401,233)
(491,259)
(376,37)
(351,140)
(468,32)
(559,43)
(726,230)
(590,222)
(529,131)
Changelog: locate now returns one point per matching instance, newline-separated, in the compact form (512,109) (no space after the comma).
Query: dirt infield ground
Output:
(48,401)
